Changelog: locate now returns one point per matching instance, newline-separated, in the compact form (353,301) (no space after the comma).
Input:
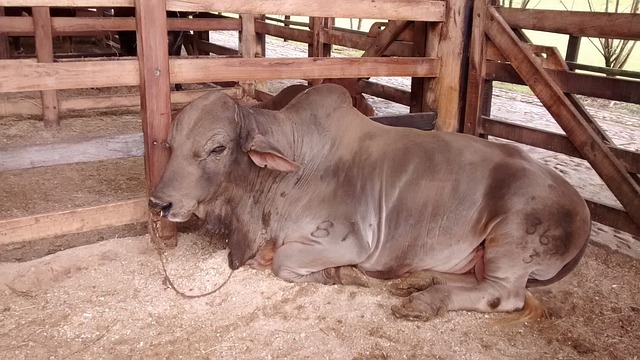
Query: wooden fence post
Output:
(5,53)
(200,35)
(252,45)
(155,103)
(446,41)
(318,48)
(44,53)
(476,88)
(419,49)
(573,48)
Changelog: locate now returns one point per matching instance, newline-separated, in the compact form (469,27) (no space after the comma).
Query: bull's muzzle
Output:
(160,206)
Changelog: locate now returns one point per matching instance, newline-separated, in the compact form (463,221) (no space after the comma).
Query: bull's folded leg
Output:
(421,280)
(299,262)
(343,275)
(488,296)
(352,275)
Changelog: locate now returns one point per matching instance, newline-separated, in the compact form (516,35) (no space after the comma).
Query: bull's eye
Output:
(218,150)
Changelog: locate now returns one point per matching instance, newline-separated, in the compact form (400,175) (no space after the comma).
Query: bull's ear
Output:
(262,152)
(265,154)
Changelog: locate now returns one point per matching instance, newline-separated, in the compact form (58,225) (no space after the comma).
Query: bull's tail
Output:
(531,312)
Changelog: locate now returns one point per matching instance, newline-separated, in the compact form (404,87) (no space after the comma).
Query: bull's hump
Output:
(321,99)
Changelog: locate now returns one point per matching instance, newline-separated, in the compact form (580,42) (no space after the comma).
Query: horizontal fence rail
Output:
(23,26)
(103,102)
(420,10)
(29,76)
(499,49)
(603,87)
(577,23)
(551,141)
(609,215)
(72,221)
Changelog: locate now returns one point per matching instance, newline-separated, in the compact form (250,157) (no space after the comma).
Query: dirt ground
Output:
(102,294)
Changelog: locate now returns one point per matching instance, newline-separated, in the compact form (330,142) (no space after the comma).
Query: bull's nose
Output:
(161,206)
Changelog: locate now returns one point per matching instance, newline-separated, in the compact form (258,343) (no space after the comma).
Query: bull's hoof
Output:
(414,283)
(403,289)
(417,310)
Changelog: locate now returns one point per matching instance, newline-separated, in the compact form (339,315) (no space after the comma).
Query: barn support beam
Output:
(446,41)
(590,145)
(252,45)
(5,52)
(419,50)
(318,47)
(155,98)
(573,48)
(44,53)
(476,86)
(201,36)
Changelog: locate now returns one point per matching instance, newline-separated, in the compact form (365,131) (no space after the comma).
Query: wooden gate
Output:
(500,52)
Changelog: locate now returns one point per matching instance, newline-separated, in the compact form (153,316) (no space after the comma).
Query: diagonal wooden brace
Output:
(386,37)
(559,106)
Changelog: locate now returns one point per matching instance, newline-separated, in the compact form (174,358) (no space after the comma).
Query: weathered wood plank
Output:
(96,149)
(211,48)
(385,38)
(318,47)
(23,26)
(421,10)
(223,69)
(84,103)
(361,41)
(604,70)
(424,10)
(21,76)
(625,189)
(573,48)
(44,54)
(418,83)
(250,47)
(553,60)
(69,3)
(27,76)
(386,92)
(5,52)
(155,98)
(377,27)
(577,23)
(287,21)
(72,221)
(421,121)
(443,93)
(551,141)
(612,216)
(603,87)
(477,68)
(203,24)
(284,32)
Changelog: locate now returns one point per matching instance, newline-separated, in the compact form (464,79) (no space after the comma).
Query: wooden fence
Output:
(412,38)
(424,40)
(499,53)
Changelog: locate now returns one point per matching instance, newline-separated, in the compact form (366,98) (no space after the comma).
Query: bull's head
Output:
(214,141)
